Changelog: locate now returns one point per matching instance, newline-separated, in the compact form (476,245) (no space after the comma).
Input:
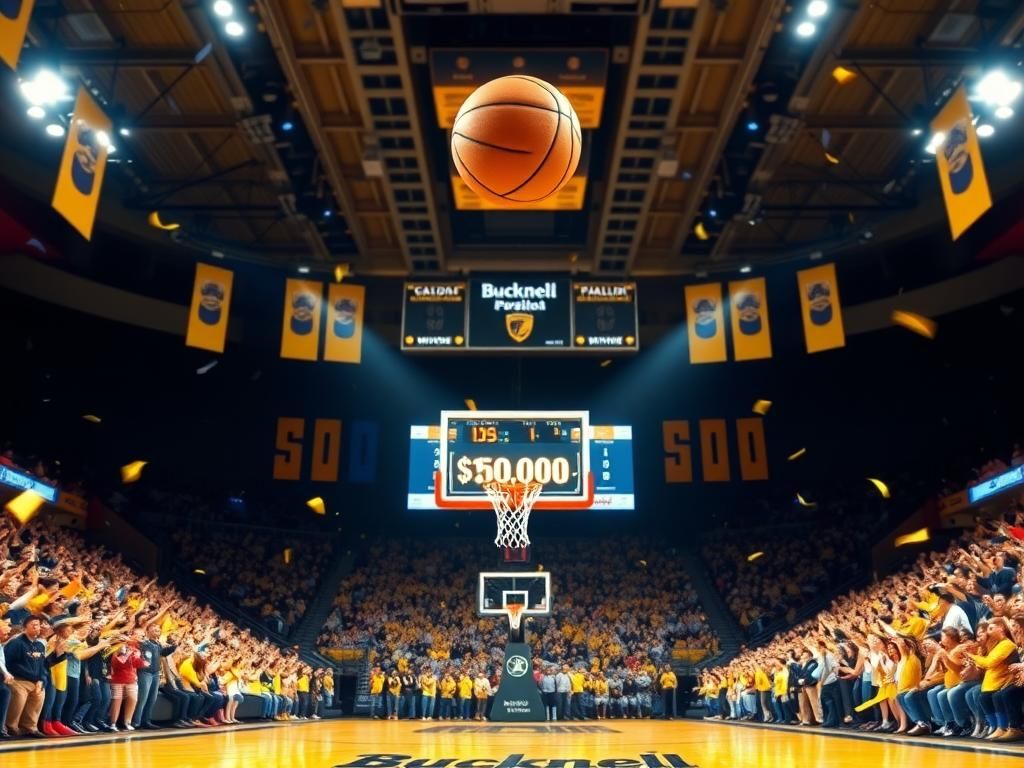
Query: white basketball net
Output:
(512,503)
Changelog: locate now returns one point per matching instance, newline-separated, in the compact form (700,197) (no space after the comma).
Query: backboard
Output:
(498,589)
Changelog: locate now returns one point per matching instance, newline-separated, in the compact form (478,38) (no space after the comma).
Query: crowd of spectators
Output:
(796,565)
(270,577)
(88,644)
(620,607)
(934,649)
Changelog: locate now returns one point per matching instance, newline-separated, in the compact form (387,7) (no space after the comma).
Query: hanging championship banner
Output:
(344,340)
(300,326)
(705,323)
(822,312)
(80,178)
(961,170)
(14,18)
(751,332)
(211,307)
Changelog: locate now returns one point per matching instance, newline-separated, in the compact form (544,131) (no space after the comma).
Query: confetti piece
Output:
(317,505)
(642,563)
(341,271)
(832,159)
(804,502)
(199,572)
(753,556)
(915,537)
(154,221)
(470,403)
(206,368)
(287,556)
(761,407)
(92,418)
(605,363)
(797,455)
(132,472)
(882,487)
(24,506)
(842,75)
(700,231)
(915,323)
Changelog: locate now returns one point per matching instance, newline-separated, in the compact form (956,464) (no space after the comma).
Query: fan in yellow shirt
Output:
(428,691)
(465,695)
(599,685)
(668,683)
(447,687)
(376,692)
(576,682)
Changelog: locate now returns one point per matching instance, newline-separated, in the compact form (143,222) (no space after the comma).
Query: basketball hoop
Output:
(515,615)
(512,503)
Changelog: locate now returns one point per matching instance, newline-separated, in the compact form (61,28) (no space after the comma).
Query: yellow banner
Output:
(300,326)
(344,340)
(821,309)
(748,309)
(961,170)
(14,17)
(211,308)
(80,178)
(705,323)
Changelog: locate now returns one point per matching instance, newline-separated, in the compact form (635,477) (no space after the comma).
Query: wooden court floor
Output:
(415,744)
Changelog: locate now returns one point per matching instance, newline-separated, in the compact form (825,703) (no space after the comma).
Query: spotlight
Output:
(806,29)
(103,139)
(303,270)
(55,129)
(916,131)
(997,89)
(46,89)
(935,142)
(817,8)
(223,8)
(745,269)
(125,131)
(234,29)
(985,130)
(36,112)
(752,125)
(713,213)
(287,125)
(328,213)
(1004,112)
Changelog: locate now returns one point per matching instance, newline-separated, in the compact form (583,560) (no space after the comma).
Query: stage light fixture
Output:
(55,129)
(223,8)
(806,29)
(47,88)
(997,89)
(1004,112)
(817,8)
(985,130)
(745,270)
(234,28)
(36,112)
(303,270)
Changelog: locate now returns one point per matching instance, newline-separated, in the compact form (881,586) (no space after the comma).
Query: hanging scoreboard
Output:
(497,314)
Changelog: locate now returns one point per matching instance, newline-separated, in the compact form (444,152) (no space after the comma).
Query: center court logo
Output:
(644,760)
(516,666)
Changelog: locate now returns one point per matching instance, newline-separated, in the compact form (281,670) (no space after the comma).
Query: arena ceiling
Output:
(313,139)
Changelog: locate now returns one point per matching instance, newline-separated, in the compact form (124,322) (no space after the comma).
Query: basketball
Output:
(516,140)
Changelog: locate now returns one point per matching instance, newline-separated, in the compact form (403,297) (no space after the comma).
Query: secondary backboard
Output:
(498,589)
(550,447)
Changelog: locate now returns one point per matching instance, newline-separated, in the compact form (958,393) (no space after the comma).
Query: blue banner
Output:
(23,481)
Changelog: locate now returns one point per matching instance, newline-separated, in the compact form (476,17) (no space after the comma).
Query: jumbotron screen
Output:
(611,461)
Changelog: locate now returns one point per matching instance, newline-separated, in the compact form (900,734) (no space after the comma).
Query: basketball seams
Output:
(551,147)
(575,140)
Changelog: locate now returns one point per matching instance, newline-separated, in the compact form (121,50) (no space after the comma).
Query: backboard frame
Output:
(582,500)
(482,578)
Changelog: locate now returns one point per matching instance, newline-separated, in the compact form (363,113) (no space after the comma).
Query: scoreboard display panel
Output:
(434,316)
(549,447)
(520,313)
(604,316)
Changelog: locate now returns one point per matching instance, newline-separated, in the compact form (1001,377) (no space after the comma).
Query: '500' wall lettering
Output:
(714,450)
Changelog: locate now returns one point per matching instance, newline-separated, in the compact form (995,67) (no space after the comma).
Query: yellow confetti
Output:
(753,556)
(605,363)
(761,407)
(287,556)
(915,323)
(797,455)
(154,221)
(804,502)
(341,271)
(132,472)
(24,506)
(700,231)
(832,158)
(882,487)
(915,537)
(470,403)
(317,505)
(842,75)
(92,418)
(199,572)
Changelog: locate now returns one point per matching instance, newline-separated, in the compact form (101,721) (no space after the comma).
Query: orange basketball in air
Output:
(516,140)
